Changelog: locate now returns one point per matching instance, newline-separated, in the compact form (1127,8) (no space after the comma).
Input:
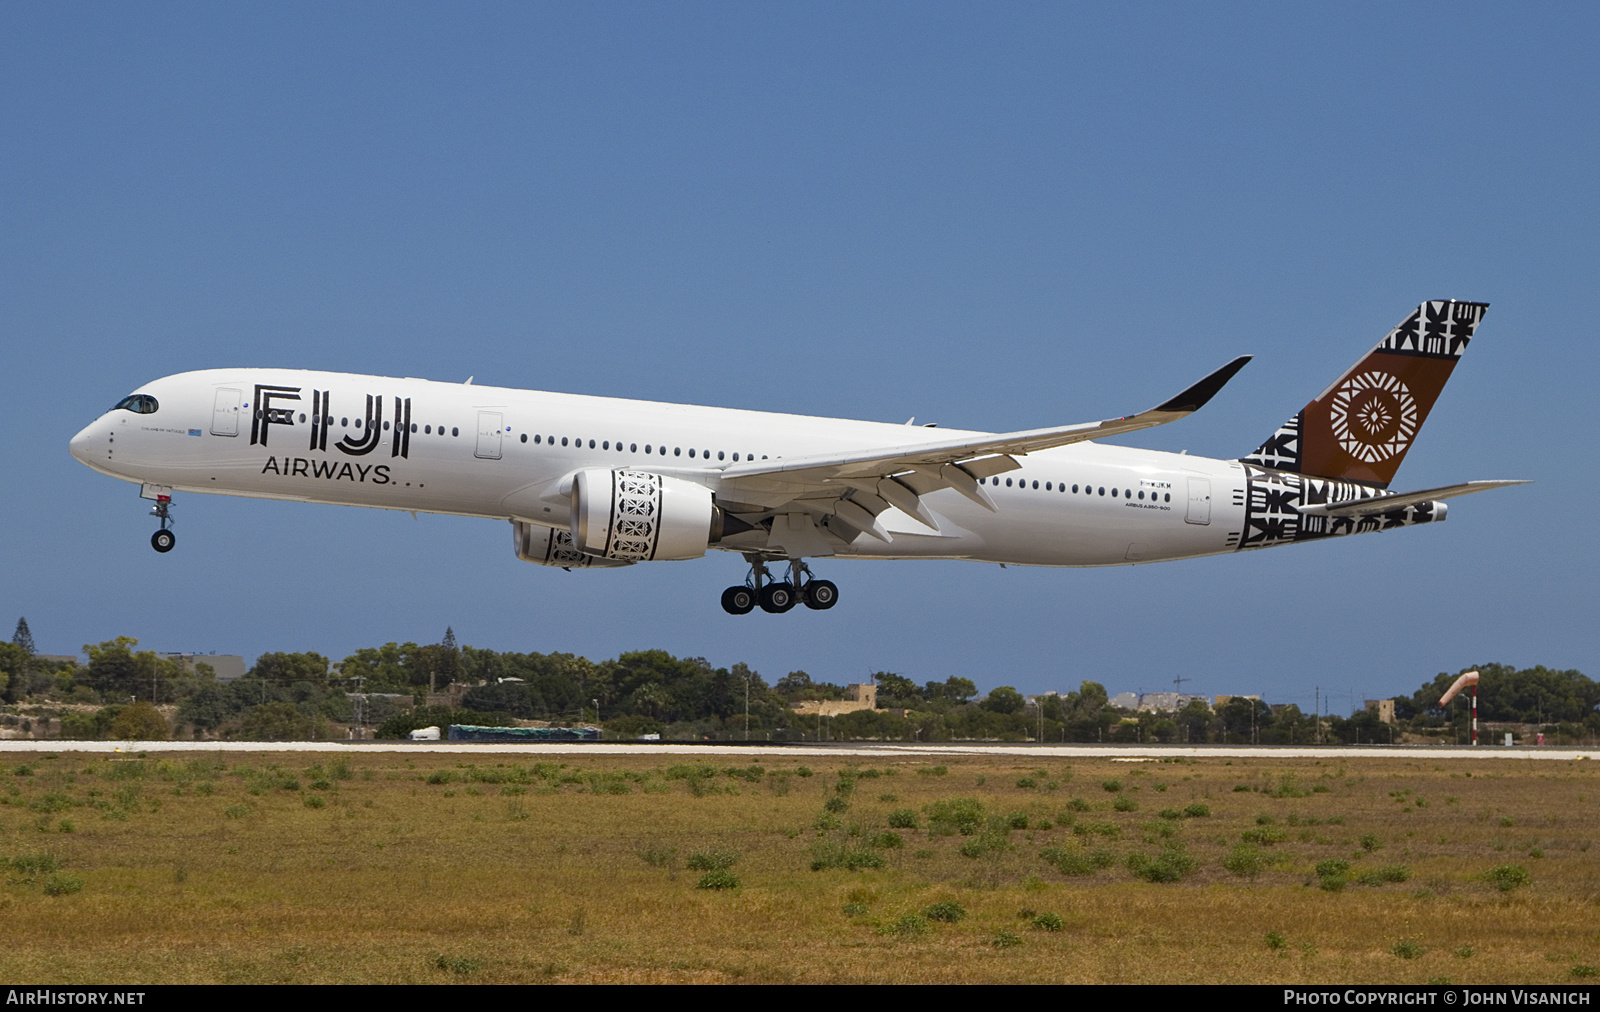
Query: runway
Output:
(863,750)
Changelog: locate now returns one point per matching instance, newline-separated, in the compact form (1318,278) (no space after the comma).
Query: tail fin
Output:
(1360,428)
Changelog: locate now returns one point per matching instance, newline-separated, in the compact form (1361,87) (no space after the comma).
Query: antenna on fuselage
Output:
(468,383)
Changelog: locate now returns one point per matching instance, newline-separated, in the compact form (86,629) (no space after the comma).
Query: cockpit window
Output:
(139,404)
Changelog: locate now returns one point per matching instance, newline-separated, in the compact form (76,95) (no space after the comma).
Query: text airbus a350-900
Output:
(596,482)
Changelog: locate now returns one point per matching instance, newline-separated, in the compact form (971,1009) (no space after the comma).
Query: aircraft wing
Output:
(856,486)
(1385,503)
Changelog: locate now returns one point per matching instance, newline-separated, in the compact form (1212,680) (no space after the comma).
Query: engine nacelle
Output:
(548,546)
(635,516)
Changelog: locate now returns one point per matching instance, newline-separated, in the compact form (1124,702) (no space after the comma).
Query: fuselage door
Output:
(225,413)
(1199,501)
(490,426)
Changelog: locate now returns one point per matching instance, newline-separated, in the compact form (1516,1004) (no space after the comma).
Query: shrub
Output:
(836,805)
(828,854)
(1407,948)
(236,811)
(1388,873)
(1265,836)
(1107,829)
(948,911)
(1245,860)
(1507,877)
(1331,867)
(1017,820)
(903,818)
(1171,865)
(1275,940)
(711,860)
(657,857)
(459,965)
(1113,785)
(1370,842)
(955,815)
(1584,970)
(906,926)
(1197,810)
(718,878)
(1077,860)
(934,771)
(1170,813)
(62,885)
(1048,922)
(35,864)
(985,845)
(314,801)
(1006,940)
(889,840)
(1076,805)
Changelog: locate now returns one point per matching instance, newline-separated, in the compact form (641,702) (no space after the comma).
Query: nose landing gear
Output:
(163,540)
(774,597)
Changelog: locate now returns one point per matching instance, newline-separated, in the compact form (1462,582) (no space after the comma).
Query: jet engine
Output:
(635,516)
(548,546)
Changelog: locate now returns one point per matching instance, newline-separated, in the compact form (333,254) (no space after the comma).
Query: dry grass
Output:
(196,871)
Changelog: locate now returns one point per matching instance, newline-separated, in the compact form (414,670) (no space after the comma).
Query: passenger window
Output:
(1035,484)
(719,454)
(524,437)
(563,440)
(691,451)
(456,432)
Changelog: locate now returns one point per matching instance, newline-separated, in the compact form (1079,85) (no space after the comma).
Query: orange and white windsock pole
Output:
(1468,678)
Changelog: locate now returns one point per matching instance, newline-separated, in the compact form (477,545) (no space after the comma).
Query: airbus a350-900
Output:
(596,482)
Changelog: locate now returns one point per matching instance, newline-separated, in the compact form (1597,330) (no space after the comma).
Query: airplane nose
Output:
(79,447)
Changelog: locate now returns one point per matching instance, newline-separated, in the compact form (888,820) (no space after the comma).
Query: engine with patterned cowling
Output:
(636,516)
(551,546)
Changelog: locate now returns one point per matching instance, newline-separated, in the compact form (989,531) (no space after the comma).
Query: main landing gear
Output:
(776,598)
(164,539)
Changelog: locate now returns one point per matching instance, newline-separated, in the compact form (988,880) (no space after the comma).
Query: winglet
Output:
(1195,398)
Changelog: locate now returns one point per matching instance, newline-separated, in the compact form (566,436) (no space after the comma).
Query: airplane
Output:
(598,482)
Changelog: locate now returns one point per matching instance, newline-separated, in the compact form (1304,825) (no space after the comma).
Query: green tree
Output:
(23,637)
(286,669)
(280,721)
(139,722)
(14,665)
(1004,699)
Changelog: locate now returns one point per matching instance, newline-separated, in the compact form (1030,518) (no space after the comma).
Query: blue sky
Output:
(988,216)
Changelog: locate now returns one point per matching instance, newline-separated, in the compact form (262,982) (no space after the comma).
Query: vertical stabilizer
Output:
(1360,428)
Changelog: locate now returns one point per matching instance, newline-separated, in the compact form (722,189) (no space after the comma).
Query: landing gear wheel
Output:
(738,600)
(777,598)
(821,595)
(162,541)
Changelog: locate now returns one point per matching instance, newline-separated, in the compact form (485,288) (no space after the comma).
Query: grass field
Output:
(396,868)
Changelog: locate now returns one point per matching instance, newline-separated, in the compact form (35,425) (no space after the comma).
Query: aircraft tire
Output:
(738,600)
(162,541)
(777,598)
(821,595)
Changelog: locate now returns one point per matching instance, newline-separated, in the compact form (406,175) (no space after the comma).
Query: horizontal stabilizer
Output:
(1386,503)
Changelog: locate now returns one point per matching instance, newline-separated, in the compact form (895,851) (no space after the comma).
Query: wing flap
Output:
(1385,503)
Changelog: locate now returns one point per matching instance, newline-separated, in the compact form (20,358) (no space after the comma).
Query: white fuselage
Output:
(494,452)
